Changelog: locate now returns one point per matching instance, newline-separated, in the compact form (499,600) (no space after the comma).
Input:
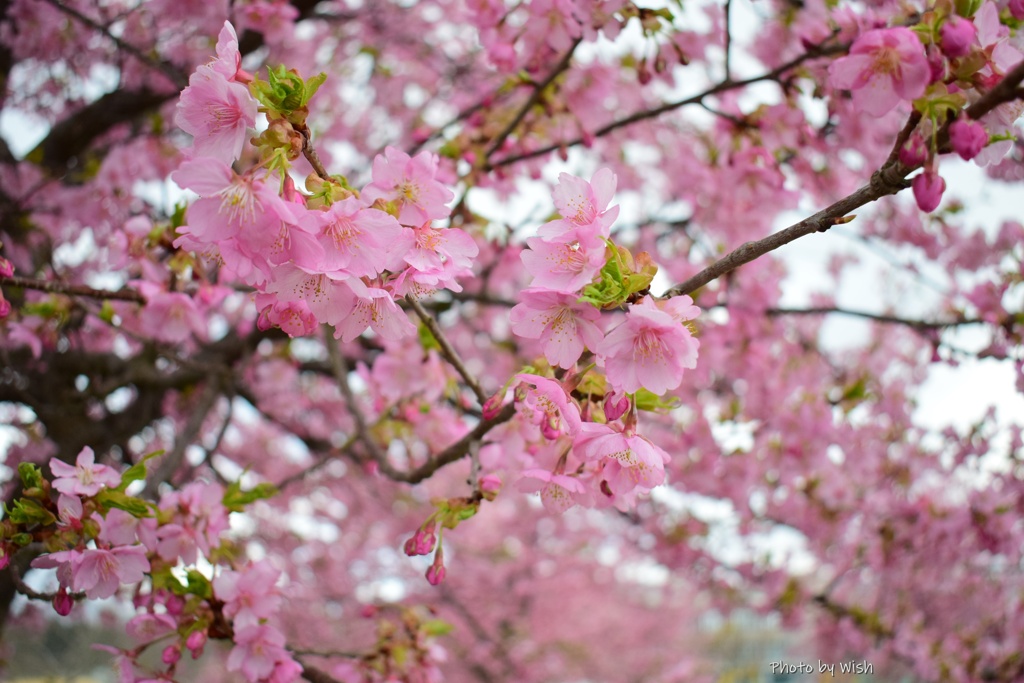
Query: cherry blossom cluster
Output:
(937,65)
(581,431)
(336,255)
(99,540)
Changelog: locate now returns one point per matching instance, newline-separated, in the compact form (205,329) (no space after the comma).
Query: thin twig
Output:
(877,317)
(340,370)
(728,41)
(534,97)
(724,86)
(176,77)
(123,294)
(446,347)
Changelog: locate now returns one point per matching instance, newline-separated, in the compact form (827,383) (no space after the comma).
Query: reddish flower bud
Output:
(171,654)
(1017,8)
(614,408)
(62,602)
(6,269)
(928,189)
(914,152)
(435,574)
(956,37)
(968,138)
(195,642)
(492,406)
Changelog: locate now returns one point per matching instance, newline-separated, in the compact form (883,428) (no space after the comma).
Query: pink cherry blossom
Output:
(410,183)
(629,460)
(217,113)
(584,207)
(563,326)
(563,266)
(558,492)
(957,35)
(258,650)
(250,595)
(84,479)
(553,410)
(360,241)
(97,572)
(377,310)
(651,349)
(883,68)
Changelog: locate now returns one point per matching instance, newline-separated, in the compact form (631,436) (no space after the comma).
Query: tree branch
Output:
(889,179)
(54,287)
(446,347)
(724,86)
(538,90)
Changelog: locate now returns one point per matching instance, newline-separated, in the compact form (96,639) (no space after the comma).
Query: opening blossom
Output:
(561,324)
(652,348)
(84,479)
(883,68)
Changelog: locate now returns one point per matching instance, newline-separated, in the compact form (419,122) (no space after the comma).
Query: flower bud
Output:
(914,152)
(928,189)
(492,406)
(956,37)
(195,642)
(967,138)
(490,485)
(6,269)
(62,602)
(1017,9)
(615,408)
(171,654)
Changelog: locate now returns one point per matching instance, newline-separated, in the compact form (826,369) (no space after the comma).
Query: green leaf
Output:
(311,86)
(436,627)
(136,472)
(199,585)
(113,498)
(235,499)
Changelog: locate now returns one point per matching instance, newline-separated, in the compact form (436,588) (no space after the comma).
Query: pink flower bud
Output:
(368,611)
(615,408)
(1017,9)
(914,152)
(175,604)
(5,558)
(62,602)
(968,138)
(6,269)
(956,37)
(550,427)
(422,542)
(937,66)
(489,485)
(435,574)
(195,642)
(492,406)
(928,189)
(171,654)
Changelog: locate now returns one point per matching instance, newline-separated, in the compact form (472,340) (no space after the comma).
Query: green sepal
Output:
(938,102)
(31,475)
(645,400)
(26,511)
(235,499)
(621,278)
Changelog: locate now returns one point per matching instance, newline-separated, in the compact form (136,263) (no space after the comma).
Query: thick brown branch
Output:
(170,71)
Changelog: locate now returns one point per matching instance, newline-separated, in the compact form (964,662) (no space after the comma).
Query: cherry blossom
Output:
(884,67)
(86,478)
